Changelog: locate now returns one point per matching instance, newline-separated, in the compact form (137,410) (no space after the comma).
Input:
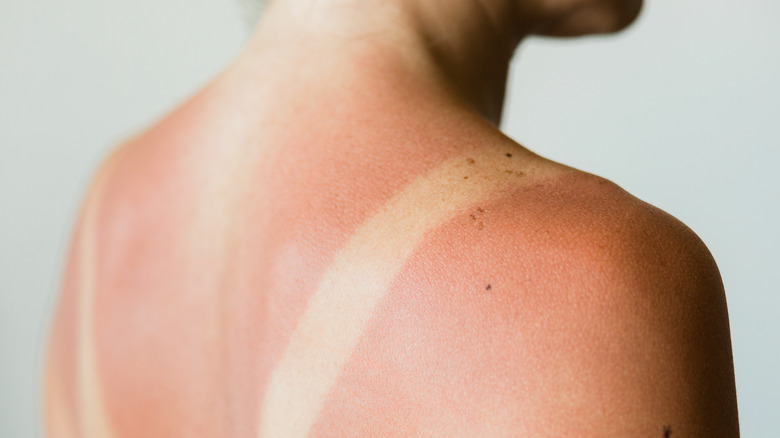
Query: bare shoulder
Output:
(66,336)
(585,311)
(597,223)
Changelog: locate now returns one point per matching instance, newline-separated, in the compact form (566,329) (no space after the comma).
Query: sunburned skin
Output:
(91,408)
(445,188)
(77,391)
(358,279)
(445,296)
(327,240)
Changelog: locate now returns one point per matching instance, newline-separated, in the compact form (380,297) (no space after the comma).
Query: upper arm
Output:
(628,328)
(531,316)
(652,347)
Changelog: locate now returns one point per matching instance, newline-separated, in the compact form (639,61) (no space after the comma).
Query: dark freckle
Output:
(509,171)
(480,209)
(667,431)
(473,217)
(470,160)
(489,287)
(465,177)
(509,155)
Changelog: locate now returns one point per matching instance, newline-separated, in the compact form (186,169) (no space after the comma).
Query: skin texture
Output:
(333,239)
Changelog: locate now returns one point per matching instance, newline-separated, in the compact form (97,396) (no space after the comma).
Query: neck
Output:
(459,49)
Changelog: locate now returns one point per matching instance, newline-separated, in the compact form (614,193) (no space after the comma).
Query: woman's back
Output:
(345,251)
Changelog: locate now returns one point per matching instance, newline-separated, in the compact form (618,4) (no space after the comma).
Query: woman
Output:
(334,239)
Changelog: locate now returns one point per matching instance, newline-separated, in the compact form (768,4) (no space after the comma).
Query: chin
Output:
(594,17)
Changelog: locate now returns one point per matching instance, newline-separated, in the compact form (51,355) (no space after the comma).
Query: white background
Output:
(682,110)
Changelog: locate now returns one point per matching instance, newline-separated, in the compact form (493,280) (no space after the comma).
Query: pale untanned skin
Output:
(332,239)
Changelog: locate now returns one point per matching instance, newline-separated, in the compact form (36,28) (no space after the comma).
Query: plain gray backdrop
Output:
(681,110)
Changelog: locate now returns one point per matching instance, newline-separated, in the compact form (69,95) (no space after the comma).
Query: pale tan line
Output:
(93,419)
(59,420)
(351,288)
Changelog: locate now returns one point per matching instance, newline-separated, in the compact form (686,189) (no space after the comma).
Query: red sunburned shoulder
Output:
(559,309)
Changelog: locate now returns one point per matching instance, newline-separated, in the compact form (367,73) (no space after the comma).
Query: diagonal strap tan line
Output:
(358,279)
